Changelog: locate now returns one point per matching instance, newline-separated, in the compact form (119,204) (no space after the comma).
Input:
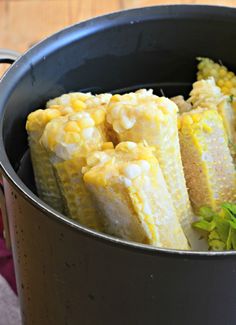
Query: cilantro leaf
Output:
(220,226)
(230,207)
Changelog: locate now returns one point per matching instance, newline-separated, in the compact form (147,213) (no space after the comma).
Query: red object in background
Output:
(6,262)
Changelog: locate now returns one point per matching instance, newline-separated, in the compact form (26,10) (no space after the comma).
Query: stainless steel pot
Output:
(66,273)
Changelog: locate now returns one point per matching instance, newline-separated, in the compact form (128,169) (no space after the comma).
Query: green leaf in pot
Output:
(204,225)
(220,226)
(230,207)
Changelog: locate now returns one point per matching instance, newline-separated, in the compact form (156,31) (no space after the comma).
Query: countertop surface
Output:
(26,22)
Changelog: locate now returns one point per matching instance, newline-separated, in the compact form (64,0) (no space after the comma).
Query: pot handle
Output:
(6,56)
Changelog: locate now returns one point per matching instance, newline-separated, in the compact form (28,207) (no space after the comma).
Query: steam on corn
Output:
(128,186)
(45,180)
(144,117)
(207,95)
(68,140)
(208,165)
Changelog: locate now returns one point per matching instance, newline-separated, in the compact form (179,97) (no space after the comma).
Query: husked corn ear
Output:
(45,180)
(207,95)
(182,104)
(128,186)
(68,140)
(144,117)
(77,102)
(224,78)
(208,165)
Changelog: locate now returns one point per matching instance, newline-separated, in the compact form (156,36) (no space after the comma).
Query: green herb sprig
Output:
(220,226)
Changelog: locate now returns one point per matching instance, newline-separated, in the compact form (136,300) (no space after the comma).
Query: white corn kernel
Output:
(127,123)
(124,180)
(132,171)
(115,112)
(131,145)
(117,127)
(65,99)
(88,133)
(147,209)
(97,158)
(86,122)
(144,165)
(67,110)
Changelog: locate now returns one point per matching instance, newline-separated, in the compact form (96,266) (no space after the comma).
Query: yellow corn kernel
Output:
(99,116)
(72,126)
(206,127)
(107,145)
(178,123)
(187,120)
(78,105)
(72,137)
(85,122)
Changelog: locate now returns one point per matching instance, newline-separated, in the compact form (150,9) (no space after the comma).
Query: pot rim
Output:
(71,33)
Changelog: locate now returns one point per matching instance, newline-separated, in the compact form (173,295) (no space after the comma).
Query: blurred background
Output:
(25,22)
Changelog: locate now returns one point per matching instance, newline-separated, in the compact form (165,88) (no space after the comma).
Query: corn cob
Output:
(224,78)
(45,180)
(144,117)
(68,140)
(208,165)
(128,186)
(182,104)
(207,95)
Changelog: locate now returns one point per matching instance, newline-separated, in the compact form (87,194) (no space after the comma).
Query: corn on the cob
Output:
(224,78)
(182,104)
(144,117)
(68,140)
(128,186)
(45,180)
(208,165)
(77,101)
(207,95)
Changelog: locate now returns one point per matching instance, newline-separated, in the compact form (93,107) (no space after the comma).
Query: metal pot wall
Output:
(68,274)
